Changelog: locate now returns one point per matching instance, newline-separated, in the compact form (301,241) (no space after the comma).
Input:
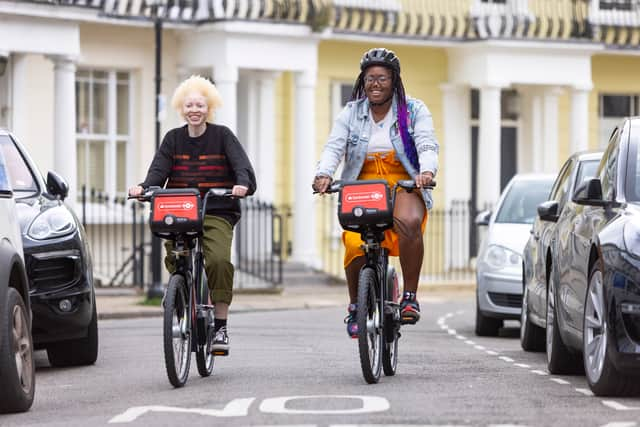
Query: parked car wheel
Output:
(80,352)
(602,376)
(486,326)
(532,337)
(560,360)
(16,357)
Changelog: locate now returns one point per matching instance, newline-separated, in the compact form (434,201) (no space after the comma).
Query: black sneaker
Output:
(351,321)
(409,311)
(220,346)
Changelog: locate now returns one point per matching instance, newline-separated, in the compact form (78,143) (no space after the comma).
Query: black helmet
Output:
(380,56)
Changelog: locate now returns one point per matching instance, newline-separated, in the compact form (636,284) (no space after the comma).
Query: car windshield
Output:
(520,203)
(20,176)
(587,170)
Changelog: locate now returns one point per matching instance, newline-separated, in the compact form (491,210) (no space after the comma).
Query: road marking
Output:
(560,381)
(277,405)
(619,406)
(235,408)
(522,365)
(469,342)
(621,424)
(492,353)
(478,347)
(539,372)
(451,331)
(585,391)
(461,337)
(506,359)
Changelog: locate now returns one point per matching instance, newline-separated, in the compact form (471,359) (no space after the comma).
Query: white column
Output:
(537,137)
(304,237)
(64,122)
(19,101)
(489,147)
(579,119)
(266,141)
(550,129)
(456,142)
(226,80)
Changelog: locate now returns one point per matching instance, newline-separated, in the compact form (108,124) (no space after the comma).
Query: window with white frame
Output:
(618,4)
(340,95)
(612,109)
(103,134)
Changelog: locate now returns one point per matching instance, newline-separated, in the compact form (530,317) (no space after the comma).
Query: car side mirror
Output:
(57,186)
(548,211)
(483,218)
(589,193)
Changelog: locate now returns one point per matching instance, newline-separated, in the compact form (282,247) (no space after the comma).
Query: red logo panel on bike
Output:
(366,196)
(183,206)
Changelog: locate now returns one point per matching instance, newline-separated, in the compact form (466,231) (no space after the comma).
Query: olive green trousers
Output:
(216,244)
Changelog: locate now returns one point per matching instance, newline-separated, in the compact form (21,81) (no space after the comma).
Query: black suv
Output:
(57,259)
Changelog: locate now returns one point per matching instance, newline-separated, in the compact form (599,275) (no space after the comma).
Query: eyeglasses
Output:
(380,79)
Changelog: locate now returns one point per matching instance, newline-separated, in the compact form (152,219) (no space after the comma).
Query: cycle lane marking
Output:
(584,391)
(276,405)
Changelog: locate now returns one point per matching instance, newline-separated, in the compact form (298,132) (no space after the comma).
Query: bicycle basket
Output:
(176,211)
(365,203)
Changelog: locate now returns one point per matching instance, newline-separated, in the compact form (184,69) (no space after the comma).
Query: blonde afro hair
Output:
(202,86)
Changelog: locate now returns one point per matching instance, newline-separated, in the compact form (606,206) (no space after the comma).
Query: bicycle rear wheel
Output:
(391,325)
(369,320)
(177,331)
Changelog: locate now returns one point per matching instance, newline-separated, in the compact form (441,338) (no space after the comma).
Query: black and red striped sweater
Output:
(214,159)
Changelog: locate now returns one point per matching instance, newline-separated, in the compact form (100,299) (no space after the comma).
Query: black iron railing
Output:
(120,241)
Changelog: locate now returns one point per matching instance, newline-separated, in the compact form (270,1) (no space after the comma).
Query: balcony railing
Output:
(612,22)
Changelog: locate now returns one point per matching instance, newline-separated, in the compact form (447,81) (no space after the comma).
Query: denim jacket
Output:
(349,140)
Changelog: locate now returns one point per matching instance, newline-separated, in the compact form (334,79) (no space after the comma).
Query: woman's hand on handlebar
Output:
(321,183)
(136,191)
(424,179)
(239,191)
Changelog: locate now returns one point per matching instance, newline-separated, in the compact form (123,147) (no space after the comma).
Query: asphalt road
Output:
(299,368)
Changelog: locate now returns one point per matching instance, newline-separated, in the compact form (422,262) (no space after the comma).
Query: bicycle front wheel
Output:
(204,356)
(369,320)
(391,325)
(177,331)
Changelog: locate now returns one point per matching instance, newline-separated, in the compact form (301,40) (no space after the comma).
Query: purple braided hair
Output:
(403,113)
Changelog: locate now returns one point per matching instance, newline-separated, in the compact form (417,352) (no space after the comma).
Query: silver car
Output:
(499,262)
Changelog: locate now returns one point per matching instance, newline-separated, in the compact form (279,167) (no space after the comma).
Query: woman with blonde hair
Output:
(204,155)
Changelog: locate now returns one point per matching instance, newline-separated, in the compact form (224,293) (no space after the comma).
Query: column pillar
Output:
(266,140)
(456,142)
(579,119)
(537,137)
(19,104)
(489,147)
(304,237)
(64,122)
(226,80)
(550,130)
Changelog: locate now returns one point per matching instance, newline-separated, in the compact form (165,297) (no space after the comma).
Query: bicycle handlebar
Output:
(407,184)
(213,192)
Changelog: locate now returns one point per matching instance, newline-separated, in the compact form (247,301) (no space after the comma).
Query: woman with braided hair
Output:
(384,134)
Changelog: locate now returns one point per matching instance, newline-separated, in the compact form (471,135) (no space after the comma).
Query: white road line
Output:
(506,359)
(478,347)
(444,327)
(539,372)
(460,337)
(451,331)
(621,424)
(469,342)
(522,365)
(585,391)
(560,381)
(235,408)
(492,353)
(619,406)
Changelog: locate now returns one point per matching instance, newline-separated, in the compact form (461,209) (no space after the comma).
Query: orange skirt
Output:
(379,166)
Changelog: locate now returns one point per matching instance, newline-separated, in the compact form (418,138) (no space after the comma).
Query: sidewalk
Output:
(121,303)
